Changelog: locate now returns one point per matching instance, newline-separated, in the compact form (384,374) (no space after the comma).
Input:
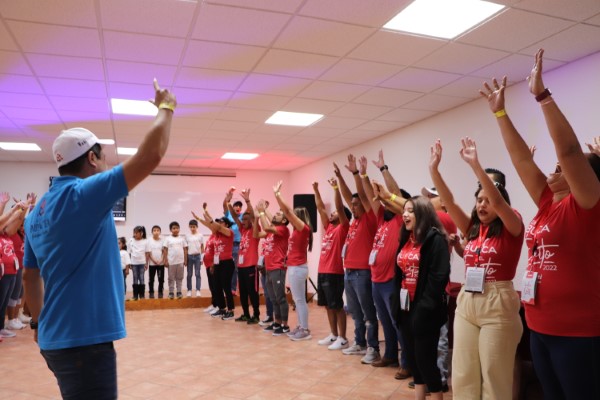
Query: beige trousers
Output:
(487,330)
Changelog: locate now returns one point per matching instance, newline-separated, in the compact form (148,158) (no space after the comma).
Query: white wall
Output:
(575,87)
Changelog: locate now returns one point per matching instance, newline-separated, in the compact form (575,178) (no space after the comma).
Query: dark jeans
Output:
(234,252)
(268,303)
(383,296)
(276,285)
(248,279)
(223,273)
(87,372)
(567,367)
(7,282)
(156,270)
(212,286)
(193,268)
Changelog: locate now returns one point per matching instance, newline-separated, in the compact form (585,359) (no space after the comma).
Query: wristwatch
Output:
(33,325)
(543,95)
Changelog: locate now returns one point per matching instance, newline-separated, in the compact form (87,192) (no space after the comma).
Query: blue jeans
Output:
(360,304)
(87,372)
(297,278)
(235,251)
(138,274)
(383,293)
(7,283)
(193,266)
(268,304)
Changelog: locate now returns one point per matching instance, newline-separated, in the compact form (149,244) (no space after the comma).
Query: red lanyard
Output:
(482,234)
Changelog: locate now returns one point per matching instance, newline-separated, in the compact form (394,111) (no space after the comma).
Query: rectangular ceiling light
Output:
(19,146)
(293,118)
(133,107)
(239,156)
(126,151)
(442,18)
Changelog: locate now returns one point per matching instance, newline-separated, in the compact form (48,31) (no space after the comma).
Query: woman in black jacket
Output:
(424,266)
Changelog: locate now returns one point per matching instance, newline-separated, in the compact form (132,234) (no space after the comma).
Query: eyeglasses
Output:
(497,184)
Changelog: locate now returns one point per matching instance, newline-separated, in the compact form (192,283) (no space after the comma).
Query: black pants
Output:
(248,281)
(212,286)
(156,270)
(223,273)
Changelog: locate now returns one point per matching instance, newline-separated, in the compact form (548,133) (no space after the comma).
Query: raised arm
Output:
(234,215)
(264,219)
(320,205)
(366,184)
(227,199)
(256,232)
(390,182)
(339,205)
(344,189)
(4,199)
(460,218)
(246,196)
(154,145)
(362,196)
(512,222)
(595,146)
(580,176)
(296,222)
(393,202)
(520,154)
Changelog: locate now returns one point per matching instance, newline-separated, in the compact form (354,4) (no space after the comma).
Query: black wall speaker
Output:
(308,201)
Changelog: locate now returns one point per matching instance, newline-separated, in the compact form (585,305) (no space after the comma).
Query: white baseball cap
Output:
(71,144)
(429,192)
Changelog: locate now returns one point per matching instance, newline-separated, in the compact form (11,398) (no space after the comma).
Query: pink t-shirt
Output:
(499,255)
(408,261)
(359,241)
(248,253)
(333,239)
(298,246)
(562,240)
(275,248)
(385,243)
(209,251)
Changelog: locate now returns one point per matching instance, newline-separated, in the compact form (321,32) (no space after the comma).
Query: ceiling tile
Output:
(25,100)
(257,101)
(360,12)
(67,67)
(235,57)
(199,125)
(594,21)
(419,80)
(185,111)
(251,26)
(436,102)
(322,37)
(130,91)
(281,130)
(200,97)
(61,12)
(360,72)
(332,91)
(134,47)
(460,58)
(80,104)
(123,71)
(47,115)
(377,128)
(575,10)
(13,63)
(526,28)
(406,115)
(19,84)
(209,79)
(320,132)
(79,118)
(273,5)
(467,87)
(241,114)
(570,45)
(290,63)
(73,87)
(361,111)
(273,85)
(236,126)
(6,41)
(344,123)
(516,67)
(60,40)
(387,97)
(312,106)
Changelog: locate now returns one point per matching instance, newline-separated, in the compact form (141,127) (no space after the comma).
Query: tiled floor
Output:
(186,354)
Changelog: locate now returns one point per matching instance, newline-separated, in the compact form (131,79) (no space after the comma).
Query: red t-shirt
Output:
(408,261)
(8,256)
(359,241)
(224,246)
(248,254)
(209,251)
(330,261)
(19,247)
(562,240)
(449,225)
(499,254)
(275,248)
(298,246)
(385,243)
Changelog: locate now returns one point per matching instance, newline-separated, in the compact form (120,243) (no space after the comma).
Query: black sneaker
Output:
(218,314)
(179,295)
(227,316)
(285,328)
(171,296)
(253,321)
(266,322)
(242,318)
(272,327)
(282,329)
(160,295)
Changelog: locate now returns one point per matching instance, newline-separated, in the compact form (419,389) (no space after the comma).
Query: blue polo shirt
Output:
(236,231)
(71,238)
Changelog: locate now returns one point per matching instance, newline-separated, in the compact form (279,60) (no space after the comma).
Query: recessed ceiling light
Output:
(293,118)
(239,156)
(442,18)
(127,151)
(106,141)
(133,107)
(19,146)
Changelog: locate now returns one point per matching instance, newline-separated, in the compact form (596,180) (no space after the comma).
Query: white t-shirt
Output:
(125,260)
(195,243)
(155,248)
(137,251)
(175,246)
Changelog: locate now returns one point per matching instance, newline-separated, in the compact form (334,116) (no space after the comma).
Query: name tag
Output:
(529,287)
(372,257)
(241,259)
(216,259)
(344,250)
(261,261)
(16,264)
(404,300)
(475,280)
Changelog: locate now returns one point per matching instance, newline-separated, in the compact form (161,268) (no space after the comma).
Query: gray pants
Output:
(276,284)
(175,277)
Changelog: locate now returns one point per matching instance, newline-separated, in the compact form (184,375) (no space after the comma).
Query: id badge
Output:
(216,259)
(529,287)
(344,250)
(261,261)
(16,264)
(404,300)
(241,259)
(372,257)
(475,280)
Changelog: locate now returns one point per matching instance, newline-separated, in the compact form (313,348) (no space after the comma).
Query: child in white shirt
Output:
(175,253)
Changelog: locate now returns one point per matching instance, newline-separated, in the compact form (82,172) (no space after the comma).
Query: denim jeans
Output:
(234,252)
(138,274)
(268,303)
(297,278)
(360,304)
(7,282)
(193,266)
(87,372)
(383,293)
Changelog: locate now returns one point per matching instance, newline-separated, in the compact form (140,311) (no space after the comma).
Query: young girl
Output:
(137,251)
(156,262)
(209,254)
(425,264)
(487,326)
(125,260)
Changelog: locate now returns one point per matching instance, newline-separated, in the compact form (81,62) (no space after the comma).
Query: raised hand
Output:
(333,182)
(536,84)
(379,163)
(595,146)
(204,205)
(532,150)
(260,206)
(336,170)
(163,96)
(468,152)
(494,94)
(362,165)
(195,216)
(245,194)
(277,187)
(31,198)
(315,186)
(436,155)
(4,197)
(351,166)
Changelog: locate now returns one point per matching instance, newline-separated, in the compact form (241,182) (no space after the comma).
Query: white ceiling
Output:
(232,63)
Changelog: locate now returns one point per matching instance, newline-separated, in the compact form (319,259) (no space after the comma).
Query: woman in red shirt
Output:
(487,326)
(562,309)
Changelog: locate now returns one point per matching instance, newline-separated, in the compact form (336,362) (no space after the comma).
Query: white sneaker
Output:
(209,309)
(7,334)
(371,356)
(328,340)
(189,294)
(339,344)
(15,324)
(24,318)
(197,293)
(355,350)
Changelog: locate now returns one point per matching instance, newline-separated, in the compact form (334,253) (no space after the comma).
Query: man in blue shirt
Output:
(73,277)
